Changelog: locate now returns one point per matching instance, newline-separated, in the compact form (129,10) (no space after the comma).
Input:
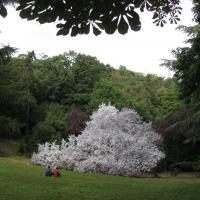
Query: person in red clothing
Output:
(56,173)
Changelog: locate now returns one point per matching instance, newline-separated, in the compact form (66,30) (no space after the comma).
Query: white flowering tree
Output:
(113,142)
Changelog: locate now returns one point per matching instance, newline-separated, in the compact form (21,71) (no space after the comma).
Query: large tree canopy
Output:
(81,16)
(187,63)
(113,142)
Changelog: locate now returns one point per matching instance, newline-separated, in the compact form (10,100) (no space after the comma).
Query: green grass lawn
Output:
(21,181)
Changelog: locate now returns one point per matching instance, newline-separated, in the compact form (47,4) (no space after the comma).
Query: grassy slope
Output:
(22,181)
(8,148)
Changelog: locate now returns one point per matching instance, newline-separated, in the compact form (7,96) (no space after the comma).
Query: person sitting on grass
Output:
(56,173)
(48,171)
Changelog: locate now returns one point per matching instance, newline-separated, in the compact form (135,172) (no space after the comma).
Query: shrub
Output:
(52,127)
(113,142)
(10,128)
(185,166)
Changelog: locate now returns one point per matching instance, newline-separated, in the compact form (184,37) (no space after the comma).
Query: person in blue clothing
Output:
(48,171)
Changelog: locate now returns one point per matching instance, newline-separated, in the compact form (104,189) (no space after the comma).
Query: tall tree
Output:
(187,65)
(28,64)
(181,130)
(5,54)
(10,125)
(114,142)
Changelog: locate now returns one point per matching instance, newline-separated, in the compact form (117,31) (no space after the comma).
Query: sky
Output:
(141,51)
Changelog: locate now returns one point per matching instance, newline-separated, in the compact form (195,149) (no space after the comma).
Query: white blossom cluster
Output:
(113,142)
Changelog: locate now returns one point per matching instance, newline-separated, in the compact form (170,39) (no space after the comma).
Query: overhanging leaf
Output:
(3,11)
(25,13)
(63,31)
(109,25)
(84,28)
(134,21)
(96,31)
(137,3)
(122,26)
(74,31)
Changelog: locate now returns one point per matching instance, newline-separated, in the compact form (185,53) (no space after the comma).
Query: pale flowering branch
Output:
(113,142)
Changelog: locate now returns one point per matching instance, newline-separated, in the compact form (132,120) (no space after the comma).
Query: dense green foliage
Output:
(186,67)
(78,17)
(181,137)
(47,99)
(186,166)
(21,181)
(181,131)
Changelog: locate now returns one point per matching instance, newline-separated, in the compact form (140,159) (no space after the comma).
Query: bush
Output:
(113,142)
(10,128)
(181,136)
(52,127)
(185,166)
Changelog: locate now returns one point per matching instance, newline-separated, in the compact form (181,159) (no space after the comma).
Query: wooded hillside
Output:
(49,98)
